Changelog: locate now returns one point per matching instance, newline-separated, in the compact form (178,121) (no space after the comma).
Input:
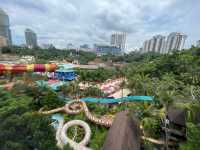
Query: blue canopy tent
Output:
(65,75)
(65,72)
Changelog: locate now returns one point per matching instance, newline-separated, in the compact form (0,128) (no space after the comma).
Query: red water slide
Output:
(20,68)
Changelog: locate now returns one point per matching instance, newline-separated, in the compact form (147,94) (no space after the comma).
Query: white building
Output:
(152,43)
(159,43)
(175,41)
(198,43)
(145,46)
(27,59)
(156,44)
(31,38)
(119,40)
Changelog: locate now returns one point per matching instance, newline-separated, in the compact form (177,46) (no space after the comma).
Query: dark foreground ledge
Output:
(124,133)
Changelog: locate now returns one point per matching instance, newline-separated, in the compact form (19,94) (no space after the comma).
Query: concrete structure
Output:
(156,44)
(159,44)
(13,59)
(145,46)
(9,59)
(31,38)
(119,40)
(198,43)
(27,59)
(175,41)
(3,41)
(5,27)
(107,49)
(152,43)
(124,134)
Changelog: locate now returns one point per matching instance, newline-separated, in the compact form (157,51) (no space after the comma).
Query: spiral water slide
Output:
(21,68)
(77,106)
(63,139)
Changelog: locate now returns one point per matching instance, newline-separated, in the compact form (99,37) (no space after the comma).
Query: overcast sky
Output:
(93,21)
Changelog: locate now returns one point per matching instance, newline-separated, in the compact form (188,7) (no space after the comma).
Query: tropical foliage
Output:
(43,55)
(21,128)
(173,80)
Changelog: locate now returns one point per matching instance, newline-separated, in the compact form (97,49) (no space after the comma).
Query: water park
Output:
(125,131)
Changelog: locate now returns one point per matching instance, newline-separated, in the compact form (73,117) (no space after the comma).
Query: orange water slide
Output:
(20,68)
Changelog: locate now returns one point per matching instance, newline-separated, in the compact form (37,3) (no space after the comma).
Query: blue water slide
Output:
(118,100)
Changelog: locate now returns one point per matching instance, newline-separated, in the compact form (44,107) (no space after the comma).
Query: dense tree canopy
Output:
(45,55)
(21,128)
(173,80)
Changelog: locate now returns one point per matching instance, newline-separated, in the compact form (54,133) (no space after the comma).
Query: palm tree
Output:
(140,83)
(122,85)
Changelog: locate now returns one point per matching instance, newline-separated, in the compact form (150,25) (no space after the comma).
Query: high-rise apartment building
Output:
(152,43)
(175,41)
(198,43)
(31,38)
(119,40)
(159,43)
(156,44)
(5,27)
(145,46)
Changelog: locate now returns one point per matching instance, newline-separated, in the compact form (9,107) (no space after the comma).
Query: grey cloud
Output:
(92,21)
(113,22)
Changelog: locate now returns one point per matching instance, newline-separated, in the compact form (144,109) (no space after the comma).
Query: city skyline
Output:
(71,21)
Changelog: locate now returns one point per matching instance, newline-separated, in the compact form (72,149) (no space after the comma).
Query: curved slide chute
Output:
(63,139)
(77,106)
(117,100)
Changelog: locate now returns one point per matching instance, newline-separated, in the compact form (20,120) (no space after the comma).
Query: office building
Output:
(175,41)
(107,49)
(5,27)
(31,38)
(119,40)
